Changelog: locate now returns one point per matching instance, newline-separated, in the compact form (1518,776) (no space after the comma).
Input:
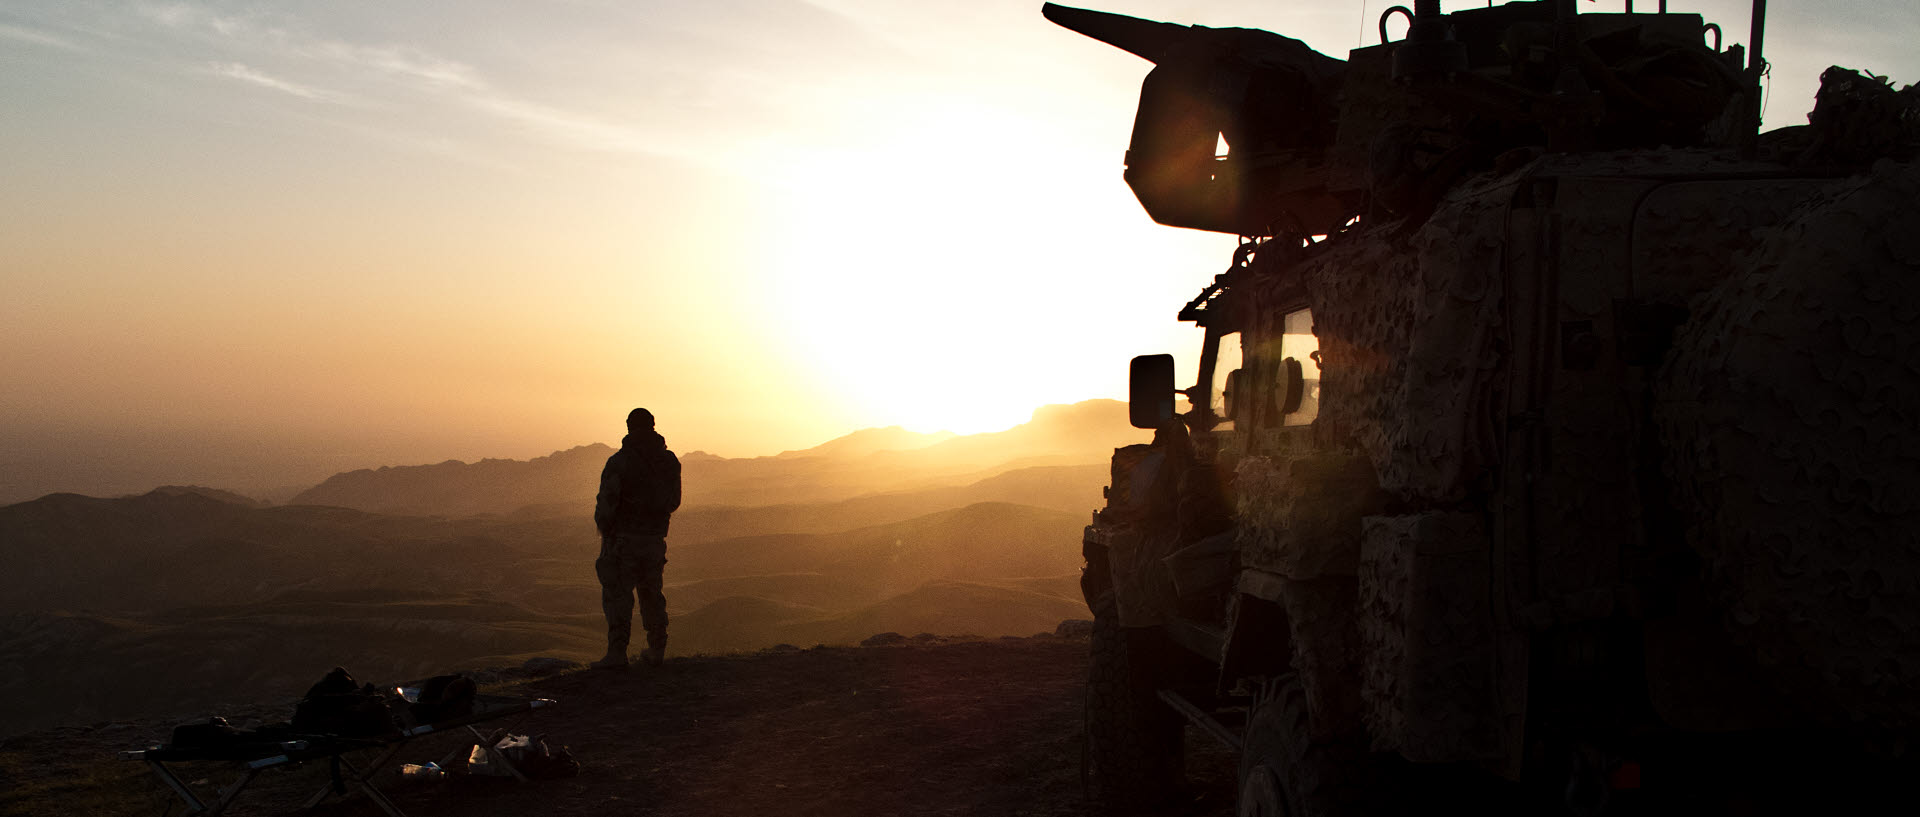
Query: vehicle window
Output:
(1298,342)
(1225,365)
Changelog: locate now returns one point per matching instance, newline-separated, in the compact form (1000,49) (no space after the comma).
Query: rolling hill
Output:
(182,598)
(874,461)
(171,603)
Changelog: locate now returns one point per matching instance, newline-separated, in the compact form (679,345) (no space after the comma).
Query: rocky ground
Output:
(907,726)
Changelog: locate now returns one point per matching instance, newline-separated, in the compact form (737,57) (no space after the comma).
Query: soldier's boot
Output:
(656,652)
(616,657)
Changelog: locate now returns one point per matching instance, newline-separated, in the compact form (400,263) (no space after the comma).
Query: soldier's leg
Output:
(653,602)
(616,596)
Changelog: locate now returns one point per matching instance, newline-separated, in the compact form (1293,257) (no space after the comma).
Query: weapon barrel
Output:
(1143,38)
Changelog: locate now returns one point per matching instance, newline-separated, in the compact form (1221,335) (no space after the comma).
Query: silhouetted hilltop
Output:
(1078,435)
(156,550)
(1087,431)
(871,441)
(210,493)
(1072,489)
(1081,434)
(872,461)
(455,488)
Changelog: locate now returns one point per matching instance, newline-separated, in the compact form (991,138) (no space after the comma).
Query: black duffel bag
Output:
(338,706)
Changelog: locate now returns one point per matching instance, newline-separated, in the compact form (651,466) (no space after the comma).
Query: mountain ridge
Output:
(863,462)
(116,606)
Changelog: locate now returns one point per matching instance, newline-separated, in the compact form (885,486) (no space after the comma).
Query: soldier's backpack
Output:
(215,732)
(443,697)
(338,706)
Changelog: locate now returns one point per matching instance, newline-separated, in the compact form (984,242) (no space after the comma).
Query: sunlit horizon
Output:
(250,245)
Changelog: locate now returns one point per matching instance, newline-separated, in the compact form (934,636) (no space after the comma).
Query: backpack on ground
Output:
(336,705)
(443,697)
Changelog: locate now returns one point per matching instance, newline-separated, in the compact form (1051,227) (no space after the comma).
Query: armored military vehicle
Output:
(1554,442)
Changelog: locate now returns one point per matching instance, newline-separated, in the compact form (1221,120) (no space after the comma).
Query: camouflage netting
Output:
(1427,626)
(1407,327)
(1407,334)
(1326,638)
(1789,410)
(1858,118)
(1687,235)
(1301,518)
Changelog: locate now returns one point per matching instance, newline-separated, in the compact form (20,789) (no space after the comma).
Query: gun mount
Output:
(1314,141)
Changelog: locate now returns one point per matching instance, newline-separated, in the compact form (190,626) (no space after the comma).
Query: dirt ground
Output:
(955,727)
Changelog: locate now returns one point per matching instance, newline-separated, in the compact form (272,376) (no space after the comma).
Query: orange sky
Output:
(252,244)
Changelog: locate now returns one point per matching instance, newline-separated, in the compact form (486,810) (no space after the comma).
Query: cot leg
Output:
(228,794)
(358,777)
(325,789)
(367,787)
(194,806)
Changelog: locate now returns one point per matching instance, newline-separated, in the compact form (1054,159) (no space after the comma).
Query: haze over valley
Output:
(179,599)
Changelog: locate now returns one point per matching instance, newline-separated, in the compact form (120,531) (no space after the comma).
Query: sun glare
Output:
(910,271)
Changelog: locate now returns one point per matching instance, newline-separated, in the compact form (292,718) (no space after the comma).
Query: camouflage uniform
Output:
(639,490)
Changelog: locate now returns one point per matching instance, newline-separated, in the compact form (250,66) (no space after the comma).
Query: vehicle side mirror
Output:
(1295,386)
(1150,391)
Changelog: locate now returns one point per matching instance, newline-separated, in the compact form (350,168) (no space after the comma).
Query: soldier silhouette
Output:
(639,491)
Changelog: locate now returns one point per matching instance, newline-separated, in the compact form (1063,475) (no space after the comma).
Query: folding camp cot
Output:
(252,758)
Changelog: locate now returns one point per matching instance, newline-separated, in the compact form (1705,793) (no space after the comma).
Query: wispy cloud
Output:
(407,64)
(569,127)
(35,36)
(393,61)
(248,74)
(383,70)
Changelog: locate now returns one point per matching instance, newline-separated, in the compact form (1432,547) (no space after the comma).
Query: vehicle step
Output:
(1207,721)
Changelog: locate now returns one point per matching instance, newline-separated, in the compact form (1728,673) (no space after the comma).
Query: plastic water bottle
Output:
(416,771)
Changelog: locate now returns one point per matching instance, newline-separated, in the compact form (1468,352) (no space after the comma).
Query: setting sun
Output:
(1193,407)
(254,247)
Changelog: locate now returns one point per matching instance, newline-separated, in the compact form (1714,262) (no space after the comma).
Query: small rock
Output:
(1074,628)
(884,640)
(926,638)
(544,665)
(780,649)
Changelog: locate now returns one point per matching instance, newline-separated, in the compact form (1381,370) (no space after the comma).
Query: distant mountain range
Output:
(184,597)
(872,461)
(162,550)
(228,497)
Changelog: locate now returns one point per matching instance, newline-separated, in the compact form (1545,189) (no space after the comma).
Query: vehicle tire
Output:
(1134,741)
(1284,772)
